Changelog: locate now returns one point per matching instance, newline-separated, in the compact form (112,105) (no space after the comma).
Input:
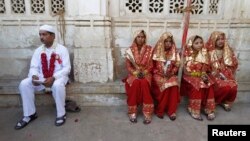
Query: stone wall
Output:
(231,17)
(237,32)
(98,32)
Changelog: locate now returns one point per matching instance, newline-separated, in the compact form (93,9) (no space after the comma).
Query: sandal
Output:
(132,118)
(22,123)
(211,116)
(71,106)
(172,117)
(196,117)
(226,107)
(60,120)
(147,120)
(160,116)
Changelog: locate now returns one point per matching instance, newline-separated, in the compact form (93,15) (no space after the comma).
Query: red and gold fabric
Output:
(224,66)
(165,82)
(196,66)
(198,99)
(167,100)
(138,89)
(139,62)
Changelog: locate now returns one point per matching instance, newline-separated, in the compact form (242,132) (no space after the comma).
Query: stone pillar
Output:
(92,40)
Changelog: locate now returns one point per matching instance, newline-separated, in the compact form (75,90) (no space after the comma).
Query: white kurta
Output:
(61,73)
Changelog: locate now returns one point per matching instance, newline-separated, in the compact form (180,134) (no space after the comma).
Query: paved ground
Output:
(111,124)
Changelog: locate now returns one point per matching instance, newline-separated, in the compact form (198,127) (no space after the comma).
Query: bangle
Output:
(203,73)
(135,73)
(194,74)
(198,74)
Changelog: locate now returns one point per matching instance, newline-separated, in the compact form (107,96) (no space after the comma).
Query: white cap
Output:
(48,28)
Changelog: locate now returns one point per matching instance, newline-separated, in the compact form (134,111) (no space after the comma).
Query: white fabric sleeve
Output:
(34,65)
(65,65)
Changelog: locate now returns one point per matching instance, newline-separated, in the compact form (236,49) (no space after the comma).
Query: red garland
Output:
(48,72)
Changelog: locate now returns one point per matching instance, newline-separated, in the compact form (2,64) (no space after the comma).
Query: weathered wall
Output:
(231,17)
(87,37)
(98,32)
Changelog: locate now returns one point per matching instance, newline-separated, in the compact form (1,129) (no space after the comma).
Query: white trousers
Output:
(27,90)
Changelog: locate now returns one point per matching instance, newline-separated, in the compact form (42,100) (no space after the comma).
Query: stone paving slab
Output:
(110,123)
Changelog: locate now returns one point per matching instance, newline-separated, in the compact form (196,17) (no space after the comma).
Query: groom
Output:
(50,67)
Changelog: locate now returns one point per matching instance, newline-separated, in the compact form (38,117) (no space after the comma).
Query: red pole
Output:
(184,37)
(186,23)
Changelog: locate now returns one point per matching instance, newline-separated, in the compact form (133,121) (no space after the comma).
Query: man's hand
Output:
(34,77)
(49,82)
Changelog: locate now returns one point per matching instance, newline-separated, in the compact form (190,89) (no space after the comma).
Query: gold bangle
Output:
(198,74)
(135,73)
(194,74)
